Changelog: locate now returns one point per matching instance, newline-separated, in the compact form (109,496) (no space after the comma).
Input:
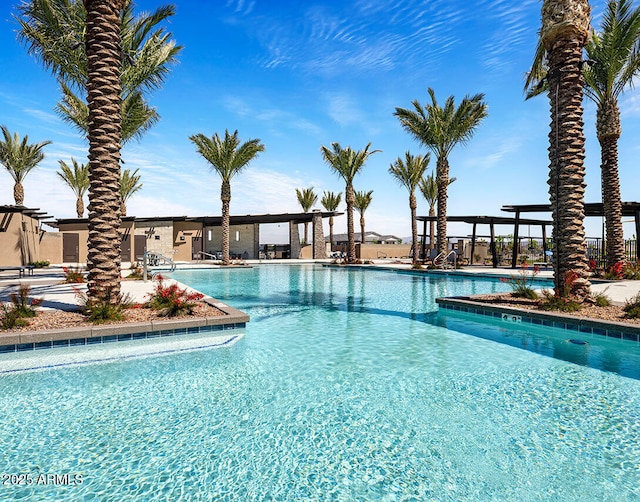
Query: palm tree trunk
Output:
(361,229)
(350,199)
(18,193)
(331,232)
(566,174)
(442,180)
(123,208)
(306,232)
(432,229)
(79,207)
(413,204)
(225,197)
(103,97)
(609,130)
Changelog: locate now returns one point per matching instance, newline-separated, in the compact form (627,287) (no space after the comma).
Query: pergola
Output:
(492,221)
(590,209)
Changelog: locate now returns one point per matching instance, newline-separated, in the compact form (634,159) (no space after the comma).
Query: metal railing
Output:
(203,253)
(151,259)
(441,260)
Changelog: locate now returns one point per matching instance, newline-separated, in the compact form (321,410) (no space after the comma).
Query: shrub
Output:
(21,302)
(632,307)
(552,301)
(171,300)
(521,283)
(601,299)
(73,275)
(632,270)
(39,264)
(105,308)
(136,274)
(10,317)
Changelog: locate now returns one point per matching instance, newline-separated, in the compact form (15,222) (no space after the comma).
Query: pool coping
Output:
(18,341)
(610,329)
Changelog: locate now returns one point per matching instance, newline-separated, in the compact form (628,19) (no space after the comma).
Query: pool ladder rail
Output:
(152,259)
(444,261)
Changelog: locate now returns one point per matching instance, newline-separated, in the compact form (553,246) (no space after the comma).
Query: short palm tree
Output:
(361,203)
(440,128)
(615,56)
(307,198)
(129,184)
(346,163)
(565,31)
(408,173)
(227,157)
(429,190)
(330,201)
(77,179)
(19,158)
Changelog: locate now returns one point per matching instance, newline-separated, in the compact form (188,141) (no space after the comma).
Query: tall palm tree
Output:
(615,56)
(129,184)
(102,45)
(52,31)
(440,129)
(565,31)
(330,201)
(306,198)
(77,179)
(346,163)
(19,158)
(227,157)
(614,61)
(361,203)
(408,173)
(429,190)
(121,59)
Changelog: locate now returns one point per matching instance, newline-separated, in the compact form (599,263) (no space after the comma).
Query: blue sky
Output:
(299,75)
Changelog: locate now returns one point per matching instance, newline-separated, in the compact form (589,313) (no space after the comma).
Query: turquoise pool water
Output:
(347,385)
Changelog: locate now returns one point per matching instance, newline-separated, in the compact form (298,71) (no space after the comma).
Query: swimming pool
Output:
(347,385)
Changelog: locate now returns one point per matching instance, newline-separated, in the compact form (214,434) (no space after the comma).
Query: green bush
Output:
(107,307)
(554,302)
(632,307)
(39,264)
(73,275)
(22,304)
(172,301)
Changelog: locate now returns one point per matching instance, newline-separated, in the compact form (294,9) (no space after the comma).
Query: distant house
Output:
(370,238)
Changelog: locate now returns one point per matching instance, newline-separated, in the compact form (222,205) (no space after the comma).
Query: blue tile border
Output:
(76,342)
(552,320)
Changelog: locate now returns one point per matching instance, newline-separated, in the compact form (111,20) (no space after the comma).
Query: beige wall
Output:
(377,251)
(51,247)
(183,233)
(20,240)
(241,240)
(83,238)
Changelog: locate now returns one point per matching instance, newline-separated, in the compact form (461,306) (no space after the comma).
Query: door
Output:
(139,246)
(70,248)
(196,247)
(125,248)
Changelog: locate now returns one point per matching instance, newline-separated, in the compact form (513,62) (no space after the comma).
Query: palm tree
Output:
(330,201)
(52,31)
(307,198)
(129,184)
(440,129)
(565,31)
(102,44)
(19,158)
(104,67)
(429,190)
(346,163)
(77,179)
(362,201)
(614,61)
(408,173)
(615,56)
(227,157)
